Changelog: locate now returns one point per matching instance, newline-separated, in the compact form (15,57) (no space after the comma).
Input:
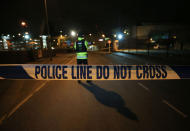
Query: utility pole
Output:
(109,42)
(49,36)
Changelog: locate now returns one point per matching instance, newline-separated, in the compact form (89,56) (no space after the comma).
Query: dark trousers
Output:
(82,61)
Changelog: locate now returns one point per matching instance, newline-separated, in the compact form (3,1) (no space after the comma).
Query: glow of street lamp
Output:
(103,35)
(27,37)
(120,36)
(73,33)
(23,23)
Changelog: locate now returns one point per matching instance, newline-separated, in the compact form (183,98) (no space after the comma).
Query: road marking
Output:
(165,102)
(174,108)
(143,86)
(3,118)
(26,99)
(67,60)
(21,103)
(71,61)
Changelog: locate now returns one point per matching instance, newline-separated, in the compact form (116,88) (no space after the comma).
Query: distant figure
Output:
(81,46)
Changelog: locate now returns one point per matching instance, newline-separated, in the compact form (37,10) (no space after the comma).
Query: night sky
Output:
(89,16)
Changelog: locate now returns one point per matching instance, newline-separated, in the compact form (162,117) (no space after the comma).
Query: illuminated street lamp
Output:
(27,36)
(23,24)
(103,36)
(125,31)
(120,36)
(73,33)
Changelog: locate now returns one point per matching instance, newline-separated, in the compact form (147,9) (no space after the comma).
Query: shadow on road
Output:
(111,99)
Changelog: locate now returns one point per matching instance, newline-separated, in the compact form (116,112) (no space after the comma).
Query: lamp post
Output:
(24,26)
(109,42)
(47,25)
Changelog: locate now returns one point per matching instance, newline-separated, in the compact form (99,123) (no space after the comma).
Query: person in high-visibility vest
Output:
(81,46)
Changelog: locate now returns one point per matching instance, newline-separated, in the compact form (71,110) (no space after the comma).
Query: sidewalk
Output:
(160,56)
(156,52)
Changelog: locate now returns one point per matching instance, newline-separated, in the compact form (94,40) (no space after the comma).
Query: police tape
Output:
(93,72)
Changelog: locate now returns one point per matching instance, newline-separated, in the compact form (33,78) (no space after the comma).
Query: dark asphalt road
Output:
(102,105)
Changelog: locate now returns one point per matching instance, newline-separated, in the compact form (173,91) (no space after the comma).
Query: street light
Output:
(73,33)
(23,24)
(125,31)
(120,36)
(103,36)
(27,36)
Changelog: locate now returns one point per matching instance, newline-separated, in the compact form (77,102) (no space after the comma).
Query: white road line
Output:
(26,99)
(165,102)
(21,103)
(174,108)
(71,61)
(2,119)
(143,86)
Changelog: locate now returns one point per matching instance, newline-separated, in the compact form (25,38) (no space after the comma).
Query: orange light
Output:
(23,23)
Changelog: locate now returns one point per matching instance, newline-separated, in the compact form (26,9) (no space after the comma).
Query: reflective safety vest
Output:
(82,55)
(80,46)
(81,49)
